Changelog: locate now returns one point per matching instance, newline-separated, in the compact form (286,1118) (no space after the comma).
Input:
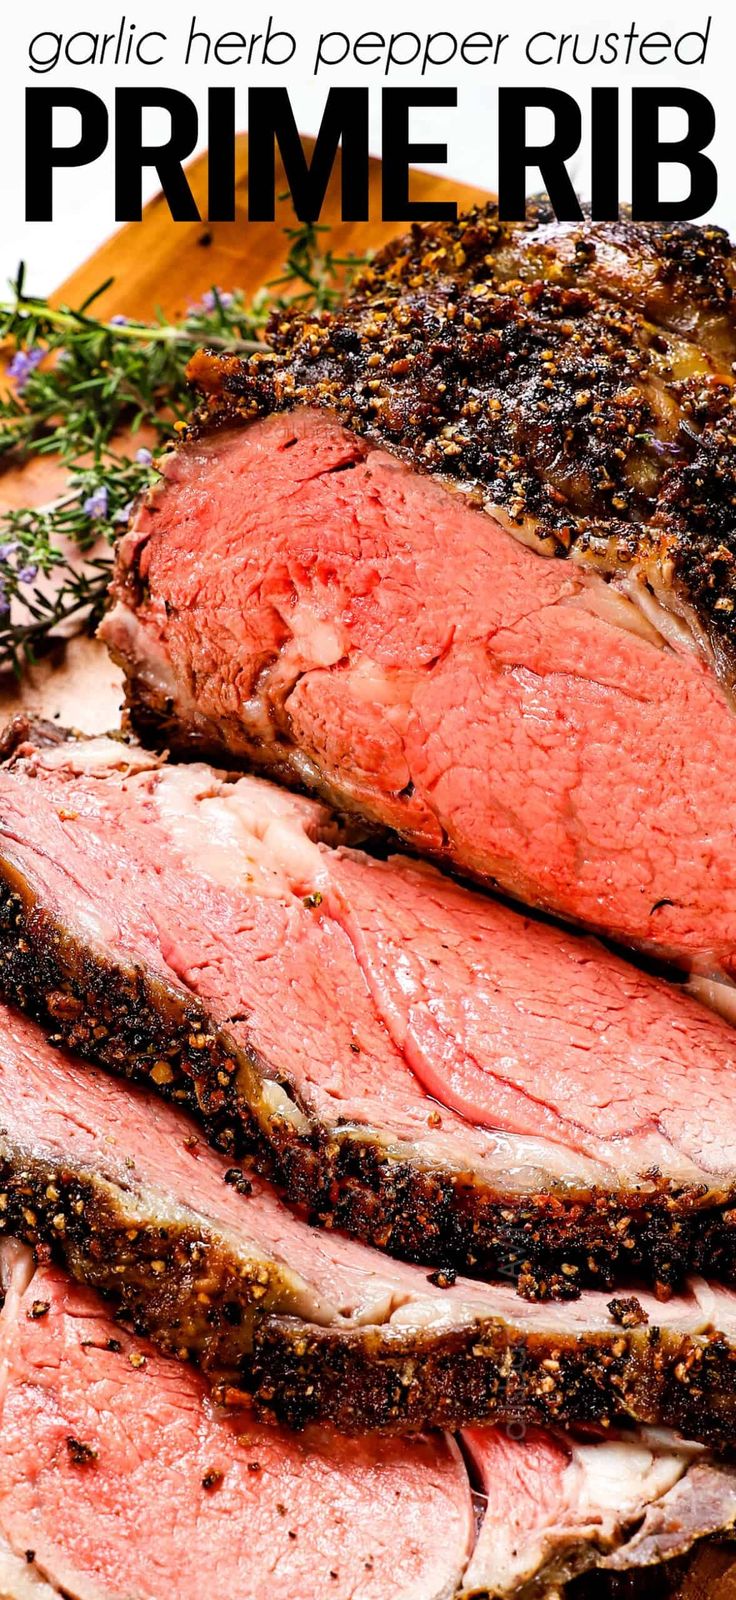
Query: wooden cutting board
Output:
(155,263)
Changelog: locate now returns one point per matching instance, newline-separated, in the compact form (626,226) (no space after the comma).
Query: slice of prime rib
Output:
(423,1066)
(301,1323)
(120,1479)
(347,572)
(116,1471)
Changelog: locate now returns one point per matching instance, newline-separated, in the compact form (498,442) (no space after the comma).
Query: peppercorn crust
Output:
(646,1375)
(183,1288)
(176,1280)
(575,380)
(550,1243)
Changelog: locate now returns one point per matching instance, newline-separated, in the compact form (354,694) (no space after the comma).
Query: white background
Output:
(83,205)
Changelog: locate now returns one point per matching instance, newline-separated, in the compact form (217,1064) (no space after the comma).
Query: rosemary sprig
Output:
(322,273)
(78,382)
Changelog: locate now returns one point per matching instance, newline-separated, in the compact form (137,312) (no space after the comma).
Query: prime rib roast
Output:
(457,560)
(118,1478)
(459,556)
(303,1324)
(419,1064)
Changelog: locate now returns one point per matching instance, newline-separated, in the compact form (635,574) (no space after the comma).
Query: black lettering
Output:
(515,155)
(132,155)
(430,60)
(47,62)
(699,58)
(630,37)
(119,41)
(480,42)
(395,59)
(649,152)
(236,43)
(221,155)
(42,155)
(107,38)
(654,49)
(577,51)
(198,38)
(322,60)
(366,42)
(271,122)
(271,34)
(539,61)
(604,144)
(82,60)
(399,154)
(149,61)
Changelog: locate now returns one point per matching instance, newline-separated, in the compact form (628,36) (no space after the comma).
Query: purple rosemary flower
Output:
(144,458)
(27,574)
(9,549)
(118,321)
(661,447)
(23,363)
(95,506)
(123,514)
(665,447)
(210,300)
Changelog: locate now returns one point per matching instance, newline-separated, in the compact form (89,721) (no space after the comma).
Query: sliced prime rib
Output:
(116,1471)
(557,1505)
(303,1324)
(347,573)
(422,1066)
(118,1478)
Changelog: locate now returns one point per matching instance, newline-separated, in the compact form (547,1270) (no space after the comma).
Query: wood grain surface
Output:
(160,263)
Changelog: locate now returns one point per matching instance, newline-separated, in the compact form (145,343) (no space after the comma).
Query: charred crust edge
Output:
(175,1285)
(550,1244)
